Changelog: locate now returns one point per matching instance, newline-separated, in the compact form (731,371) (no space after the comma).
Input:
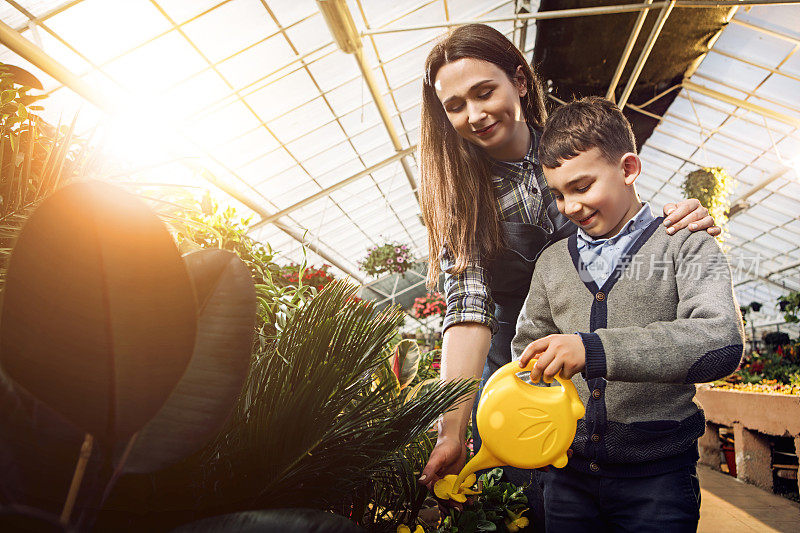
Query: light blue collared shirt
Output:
(601,256)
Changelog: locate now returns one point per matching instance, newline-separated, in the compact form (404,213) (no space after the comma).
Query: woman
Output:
(488,211)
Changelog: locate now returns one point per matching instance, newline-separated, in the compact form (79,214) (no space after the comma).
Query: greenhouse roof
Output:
(255,98)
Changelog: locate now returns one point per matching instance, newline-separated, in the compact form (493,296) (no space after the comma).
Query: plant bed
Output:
(754,417)
(766,412)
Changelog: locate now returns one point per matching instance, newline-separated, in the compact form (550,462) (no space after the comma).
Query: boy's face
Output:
(596,195)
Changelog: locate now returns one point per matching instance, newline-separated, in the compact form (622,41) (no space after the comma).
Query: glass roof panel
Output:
(181,11)
(144,69)
(327,160)
(309,34)
(310,117)
(334,69)
(229,28)
(270,54)
(101,30)
(286,93)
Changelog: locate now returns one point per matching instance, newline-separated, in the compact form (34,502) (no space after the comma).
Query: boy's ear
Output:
(520,82)
(631,167)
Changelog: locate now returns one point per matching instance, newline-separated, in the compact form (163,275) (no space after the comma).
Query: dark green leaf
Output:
(105,341)
(205,395)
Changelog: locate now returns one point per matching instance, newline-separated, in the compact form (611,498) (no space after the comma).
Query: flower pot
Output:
(730,459)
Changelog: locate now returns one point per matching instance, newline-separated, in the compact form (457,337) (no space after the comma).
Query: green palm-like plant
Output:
(314,426)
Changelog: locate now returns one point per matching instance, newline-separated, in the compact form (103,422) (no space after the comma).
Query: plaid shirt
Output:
(519,188)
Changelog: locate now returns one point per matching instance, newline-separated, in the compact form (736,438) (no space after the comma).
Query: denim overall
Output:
(509,280)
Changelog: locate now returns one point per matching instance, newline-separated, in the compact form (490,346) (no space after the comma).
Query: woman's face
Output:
(483,105)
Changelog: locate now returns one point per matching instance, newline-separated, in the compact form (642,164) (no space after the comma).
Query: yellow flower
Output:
(402,528)
(515,521)
(445,488)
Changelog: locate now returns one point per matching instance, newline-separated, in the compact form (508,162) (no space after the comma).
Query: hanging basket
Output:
(391,257)
(712,186)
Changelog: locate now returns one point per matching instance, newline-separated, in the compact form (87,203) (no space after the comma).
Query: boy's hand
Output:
(554,354)
(689,213)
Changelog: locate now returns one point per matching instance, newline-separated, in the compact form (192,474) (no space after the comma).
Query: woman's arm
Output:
(464,349)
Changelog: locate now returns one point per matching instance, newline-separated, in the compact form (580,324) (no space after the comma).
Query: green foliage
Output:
(774,339)
(388,257)
(777,363)
(499,507)
(428,366)
(314,428)
(317,277)
(205,224)
(405,361)
(790,306)
(712,186)
(36,159)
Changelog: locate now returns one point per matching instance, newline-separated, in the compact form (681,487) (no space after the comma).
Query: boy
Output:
(641,315)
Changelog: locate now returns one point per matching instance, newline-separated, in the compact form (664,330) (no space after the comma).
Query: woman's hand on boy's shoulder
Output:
(555,353)
(689,213)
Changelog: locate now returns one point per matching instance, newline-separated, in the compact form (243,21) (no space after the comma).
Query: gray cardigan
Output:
(666,319)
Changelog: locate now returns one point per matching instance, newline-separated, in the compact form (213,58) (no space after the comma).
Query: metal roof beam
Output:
(44,16)
(626,53)
(648,47)
(36,56)
(541,15)
(340,22)
(328,190)
(778,35)
(744,104)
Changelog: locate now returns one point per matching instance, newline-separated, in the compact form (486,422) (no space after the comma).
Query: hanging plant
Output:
(712,186)
(389,257)
(789,304)
(431,304)
(316,277)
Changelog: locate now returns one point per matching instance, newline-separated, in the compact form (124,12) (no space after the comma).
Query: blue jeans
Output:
(575,502)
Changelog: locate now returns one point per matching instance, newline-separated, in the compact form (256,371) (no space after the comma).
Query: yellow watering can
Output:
(521,425)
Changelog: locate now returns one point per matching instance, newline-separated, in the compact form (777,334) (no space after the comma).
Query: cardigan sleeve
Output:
(704,343)
(535,318)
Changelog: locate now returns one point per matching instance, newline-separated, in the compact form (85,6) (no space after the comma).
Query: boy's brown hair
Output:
(591,122)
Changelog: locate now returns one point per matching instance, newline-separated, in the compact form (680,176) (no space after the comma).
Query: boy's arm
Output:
(703,344)
(535,319)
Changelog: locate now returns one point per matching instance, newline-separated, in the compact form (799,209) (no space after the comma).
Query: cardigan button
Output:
(596,394)
(594,467)
(600,296)
(595,438)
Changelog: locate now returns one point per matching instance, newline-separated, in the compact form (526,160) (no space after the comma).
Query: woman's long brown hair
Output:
(458,202)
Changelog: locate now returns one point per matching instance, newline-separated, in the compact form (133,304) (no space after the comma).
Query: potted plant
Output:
(390,257)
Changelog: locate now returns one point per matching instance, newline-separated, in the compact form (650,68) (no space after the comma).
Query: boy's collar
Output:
(640,220)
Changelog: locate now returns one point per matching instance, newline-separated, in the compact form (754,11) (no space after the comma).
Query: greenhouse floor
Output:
(729,505)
